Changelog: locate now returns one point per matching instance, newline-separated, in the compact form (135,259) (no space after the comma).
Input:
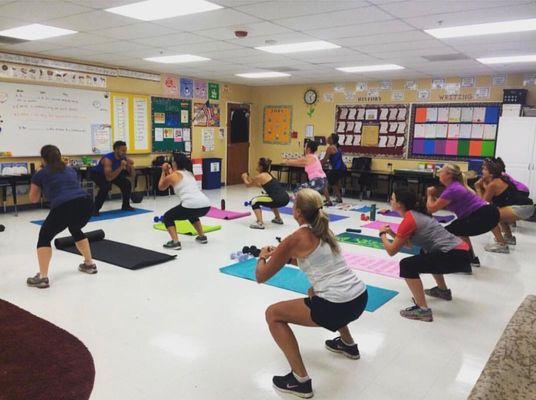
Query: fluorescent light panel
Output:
(152,10)
(177,59)
(507,59)
(36,32)
(298,47)
(371,68)
(260,75)
(520,25)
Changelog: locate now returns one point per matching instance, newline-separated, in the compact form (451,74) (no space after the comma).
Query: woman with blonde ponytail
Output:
(475,216)
(336,298)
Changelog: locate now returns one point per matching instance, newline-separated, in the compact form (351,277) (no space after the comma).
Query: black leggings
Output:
(181,213)
(73,214)
(121,181)
(266,201)
(477,223)
(438,263)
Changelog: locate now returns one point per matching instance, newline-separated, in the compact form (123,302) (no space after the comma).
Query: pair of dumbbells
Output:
(247,253)
(365,217)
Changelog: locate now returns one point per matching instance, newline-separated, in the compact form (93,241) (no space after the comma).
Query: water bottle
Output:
(373,212)
(222,204)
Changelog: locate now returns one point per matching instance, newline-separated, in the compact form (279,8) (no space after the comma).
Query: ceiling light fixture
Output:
(298,47)
(36,32)
(493,28)
(176,59)
(371,68)
(507,59)
(260,75)
(152,10)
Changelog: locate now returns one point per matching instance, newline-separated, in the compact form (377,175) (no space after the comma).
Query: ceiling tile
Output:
(281,38)
(403,46)
(174,39)
(208,20)
(7,23)
(102,4)
(361,30)
(140,30)
(70,52)
(387,38)
(40,11)
(77,40)
(91,21)
(35,46)
(117,46)
(206,48)
(257,29)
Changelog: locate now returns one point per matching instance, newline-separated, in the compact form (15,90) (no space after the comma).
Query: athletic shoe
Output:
(38,282)
(497,248)
(129,208)
(289,384)
(444,294)
(201,239)
(88,269)
(475,263)
(257,225)
(338,346)
(277,221)
(417,313)
(173,245)
(510,240)
(328,204)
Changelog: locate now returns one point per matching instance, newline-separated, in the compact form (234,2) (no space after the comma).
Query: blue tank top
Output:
(99,169)
(336,161)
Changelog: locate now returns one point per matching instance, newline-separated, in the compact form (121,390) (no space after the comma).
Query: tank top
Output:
(315,170)
(115,163)
(329,274)
(336,161)
(276,191)
(189,193)
(510,197)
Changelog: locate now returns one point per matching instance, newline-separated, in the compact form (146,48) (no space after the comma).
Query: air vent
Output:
(283,69)
(10,40)
(446,57)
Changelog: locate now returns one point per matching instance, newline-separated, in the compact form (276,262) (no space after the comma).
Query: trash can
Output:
(211,173)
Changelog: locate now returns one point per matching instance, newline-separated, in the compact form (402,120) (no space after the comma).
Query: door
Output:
(515,145)
(237,142)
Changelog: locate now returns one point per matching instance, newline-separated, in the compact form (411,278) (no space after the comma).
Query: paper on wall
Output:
(419,131)
(309,131)
(360,114)
(350,126)
(341,127)
(399,141)
(467,114)
(357,140)
(401,127)
(479,114)
(188,146)
(431,114)
(186,134)
(383,127)
(441,131)
(402,113)
(357,128)
(430,131)
(383,141)
(477,131)
(393,126)
(393,114)
(455,114)
(158,134)
(465,131)
(344,113)
(443,114)
(384,113)
(352,112)
(184,116)
(453,131)
(490,131)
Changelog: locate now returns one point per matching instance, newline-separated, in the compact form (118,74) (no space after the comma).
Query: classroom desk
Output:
(12,181)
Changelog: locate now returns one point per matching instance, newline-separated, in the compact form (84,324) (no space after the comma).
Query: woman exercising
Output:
(336,298)
(514,205)
(193,202)
(313,168)
(338,168)
(70,207)
(275,197)
(442,253)
(474,215)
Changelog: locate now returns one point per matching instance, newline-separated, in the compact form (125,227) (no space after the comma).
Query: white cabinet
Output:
(516,145)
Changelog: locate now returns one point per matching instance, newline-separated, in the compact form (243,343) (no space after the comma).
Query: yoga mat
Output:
(225,214)
(373,242)
(443,219)
(380,224)
(293,279)
(39,360)
(112,214)
(332,217)
(115,253)
(382,266)
(186,228)
(363,209)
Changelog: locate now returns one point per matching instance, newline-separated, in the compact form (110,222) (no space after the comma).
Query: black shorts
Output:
(266,201)
(335,175)
(477,223)
(435,263)
(334,316)
(181,213)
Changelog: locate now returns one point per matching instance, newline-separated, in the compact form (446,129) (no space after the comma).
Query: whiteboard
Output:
(32,116)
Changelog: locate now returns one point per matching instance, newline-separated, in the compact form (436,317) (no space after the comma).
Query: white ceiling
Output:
(369,31)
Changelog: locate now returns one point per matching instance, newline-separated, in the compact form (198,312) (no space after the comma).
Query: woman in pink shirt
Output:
(316,176)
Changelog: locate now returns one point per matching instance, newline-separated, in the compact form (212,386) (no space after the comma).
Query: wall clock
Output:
(310,97)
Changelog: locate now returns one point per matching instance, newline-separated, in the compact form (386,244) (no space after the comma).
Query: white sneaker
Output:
(510,240)
(497,248)
(257,225)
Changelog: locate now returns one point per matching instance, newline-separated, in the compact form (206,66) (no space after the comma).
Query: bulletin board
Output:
(171,124)
(456,131)
(131,121)
(277,124)
(372,129)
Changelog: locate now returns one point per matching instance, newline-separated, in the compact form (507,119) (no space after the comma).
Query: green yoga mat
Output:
(372,242)
(186,228)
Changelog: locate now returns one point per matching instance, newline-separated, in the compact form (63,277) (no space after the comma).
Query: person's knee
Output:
(43,241)
(168,220)
(194,220)
(271,314)
(407,269)
(77,234)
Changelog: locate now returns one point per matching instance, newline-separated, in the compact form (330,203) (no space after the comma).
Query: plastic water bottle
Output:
(222,204)
(373,212)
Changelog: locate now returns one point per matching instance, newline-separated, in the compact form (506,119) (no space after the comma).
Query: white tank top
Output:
(189,193)
(329,275)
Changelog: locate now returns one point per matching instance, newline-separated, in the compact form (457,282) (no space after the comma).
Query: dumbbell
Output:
(158,219)
(2,228)
(350,230)
(247,203)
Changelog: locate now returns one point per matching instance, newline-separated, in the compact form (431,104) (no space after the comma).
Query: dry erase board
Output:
(172,124)
(454,131)
(372,129)
(75,120)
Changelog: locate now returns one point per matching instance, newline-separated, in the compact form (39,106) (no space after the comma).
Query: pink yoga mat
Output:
(381,266)
(225,214)
(379,224)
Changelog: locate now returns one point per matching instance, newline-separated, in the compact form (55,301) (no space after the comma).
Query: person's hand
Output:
(267,251)
(166,167)
(244,175)
(431,191)
(130,162)
(389,231)
(385,229)
(123,164)
(310,292)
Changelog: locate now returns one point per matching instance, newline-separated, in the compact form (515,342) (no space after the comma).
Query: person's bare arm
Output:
(167,178)
(35,193)
(490,192)
(130,166)
(251,181)
(329,151)
(276,257)
(434,203)
(394,246)
(109,174)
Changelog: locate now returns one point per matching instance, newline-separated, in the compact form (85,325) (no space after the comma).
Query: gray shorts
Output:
(523,212)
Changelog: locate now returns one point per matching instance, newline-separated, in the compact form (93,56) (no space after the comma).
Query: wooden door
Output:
(237,142)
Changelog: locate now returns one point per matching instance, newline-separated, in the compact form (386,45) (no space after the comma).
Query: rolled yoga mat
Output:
(293,279)
(226,214)
(115,253)
(186,228)
(105,215)
(373,242)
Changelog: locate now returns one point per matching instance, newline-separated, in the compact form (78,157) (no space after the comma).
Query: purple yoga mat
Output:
(440,218)
(225,214)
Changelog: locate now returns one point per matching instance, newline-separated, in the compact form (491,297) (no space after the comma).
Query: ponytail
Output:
(309,202)
(52,156)
(458,175)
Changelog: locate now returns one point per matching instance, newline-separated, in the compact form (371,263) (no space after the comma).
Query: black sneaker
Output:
(172,245)
(127,208)
(338,346)
(38,282)
(88,269)
(201,239)
(289,384)
(475,262)
(444,294)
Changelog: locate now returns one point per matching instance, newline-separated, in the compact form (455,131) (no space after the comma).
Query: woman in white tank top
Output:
(336,298)
(193,202)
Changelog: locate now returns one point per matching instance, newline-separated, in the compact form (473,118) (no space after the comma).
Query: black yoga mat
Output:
(116,253)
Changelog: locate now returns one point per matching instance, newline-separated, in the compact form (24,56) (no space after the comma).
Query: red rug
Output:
(40,361)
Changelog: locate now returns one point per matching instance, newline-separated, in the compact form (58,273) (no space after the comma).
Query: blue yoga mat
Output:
(293,279)
(112,214)
(364,209)
(332,217)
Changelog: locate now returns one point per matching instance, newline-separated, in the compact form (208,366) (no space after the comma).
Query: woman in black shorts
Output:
(275,197)
(336,298)
(338,168)
(70,207)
